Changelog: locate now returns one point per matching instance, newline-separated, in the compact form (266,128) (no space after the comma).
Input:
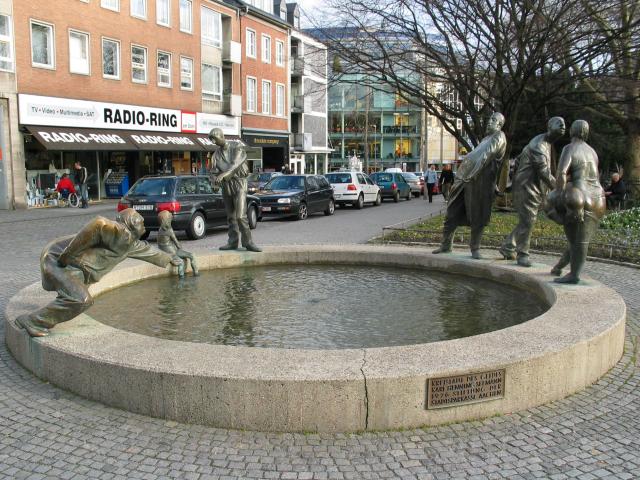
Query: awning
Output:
(60,138)
(166,142)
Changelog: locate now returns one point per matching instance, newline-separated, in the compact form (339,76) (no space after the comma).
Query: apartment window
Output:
(110,58)
(251,43)
(252,94)
(111,5)
(280,53)
(186,73)
(6,44)
(42,46)
(280,100)
(139,8)
(186,15)
(138,64)
(211,26)
(79,52)
(164,69)
(266,96)
(212,81)
(163,12)
(266,48)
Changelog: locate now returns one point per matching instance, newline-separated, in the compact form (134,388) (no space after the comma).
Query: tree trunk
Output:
(632,172)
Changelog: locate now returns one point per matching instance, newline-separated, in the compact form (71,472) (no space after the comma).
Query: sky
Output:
(308,7)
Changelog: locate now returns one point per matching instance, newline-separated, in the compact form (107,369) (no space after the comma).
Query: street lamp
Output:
(375,137)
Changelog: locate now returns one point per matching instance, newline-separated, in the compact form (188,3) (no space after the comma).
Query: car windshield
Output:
(339,177)
(147,187)
(285,182)
(383,177)
(409,176)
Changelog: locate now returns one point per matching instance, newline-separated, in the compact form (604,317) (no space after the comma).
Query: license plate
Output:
(266,209)
(143,207)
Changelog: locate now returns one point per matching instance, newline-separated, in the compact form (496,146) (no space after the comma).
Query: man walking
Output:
(81,177)
(446,181)
(229,161)
(474,188)
(532,180)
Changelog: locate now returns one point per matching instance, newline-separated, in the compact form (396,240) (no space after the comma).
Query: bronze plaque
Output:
(463,389)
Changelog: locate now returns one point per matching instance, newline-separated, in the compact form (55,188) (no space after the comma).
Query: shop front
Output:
(266,152)
(58,133)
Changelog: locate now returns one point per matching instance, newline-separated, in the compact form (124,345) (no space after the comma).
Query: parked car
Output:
(392,185)
(417,188)
(354,188)
(192,200)
(257,181)
(296,195)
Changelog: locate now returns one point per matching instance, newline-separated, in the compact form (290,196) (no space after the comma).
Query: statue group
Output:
(573,198)
(69,265)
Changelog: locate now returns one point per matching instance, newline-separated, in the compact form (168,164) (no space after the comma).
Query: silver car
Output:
(414,183)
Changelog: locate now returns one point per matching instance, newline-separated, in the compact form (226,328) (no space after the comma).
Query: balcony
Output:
(301,141)
(231,52)
(299,67)
(302,104)
(232,105)
(396,130)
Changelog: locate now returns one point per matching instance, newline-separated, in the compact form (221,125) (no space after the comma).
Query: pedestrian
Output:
(81,180)
(615,192)
(446,180)
(431,177)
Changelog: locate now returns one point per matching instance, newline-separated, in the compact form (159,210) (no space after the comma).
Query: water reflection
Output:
(329,306)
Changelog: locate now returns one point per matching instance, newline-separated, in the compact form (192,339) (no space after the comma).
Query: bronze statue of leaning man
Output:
(579,204)
(70,264)
(471,196)
(229,165)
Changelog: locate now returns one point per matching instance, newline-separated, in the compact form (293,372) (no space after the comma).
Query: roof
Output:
(258,12)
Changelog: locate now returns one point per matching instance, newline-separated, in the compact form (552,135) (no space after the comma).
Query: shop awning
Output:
(166,142)
(60,138)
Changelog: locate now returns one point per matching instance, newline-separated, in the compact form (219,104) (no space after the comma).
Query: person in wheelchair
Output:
(65,187)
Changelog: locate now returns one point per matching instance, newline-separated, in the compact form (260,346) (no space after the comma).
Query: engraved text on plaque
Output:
(460,389)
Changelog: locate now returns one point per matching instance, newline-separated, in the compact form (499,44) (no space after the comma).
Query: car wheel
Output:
(378,199)
(197,227)
(145,235)
(360,203)
(396,197)
(331,208)
(252,217)
(302,212)
(409,196)
(416,194)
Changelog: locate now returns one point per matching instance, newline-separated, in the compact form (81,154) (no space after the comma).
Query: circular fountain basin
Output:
(576,340)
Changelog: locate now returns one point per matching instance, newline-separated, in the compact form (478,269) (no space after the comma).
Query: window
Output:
(110,58)
(211,26)
(79,52)
(204,185)
(139,8)
(212,81)
(266,96)
(280,53)
(163,12)
(42,47)
(252,94)
(6,44)
(266,48)
(164,69)
(251,43)
(138,64)
(186,73)
(188,186)
(111,5)
(186,15)
(279,100)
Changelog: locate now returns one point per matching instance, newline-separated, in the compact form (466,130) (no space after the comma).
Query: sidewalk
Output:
(103,207)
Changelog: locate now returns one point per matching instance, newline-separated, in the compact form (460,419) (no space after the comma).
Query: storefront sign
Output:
(80,139)
(167,142)
(229,125)
(266,141)
(65,112)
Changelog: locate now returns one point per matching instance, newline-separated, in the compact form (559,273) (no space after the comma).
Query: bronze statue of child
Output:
(167,242)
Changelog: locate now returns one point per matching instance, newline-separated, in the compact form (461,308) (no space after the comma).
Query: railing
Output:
(396,129)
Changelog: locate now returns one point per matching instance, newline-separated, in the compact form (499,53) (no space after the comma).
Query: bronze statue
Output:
(167,242)
(230,164)
(578,205)
(532,180)
(471,196)
(70,264)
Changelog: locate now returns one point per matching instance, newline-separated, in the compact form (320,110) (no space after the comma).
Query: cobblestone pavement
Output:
(48,433)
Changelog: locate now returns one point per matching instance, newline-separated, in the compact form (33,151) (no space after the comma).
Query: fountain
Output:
(254,365)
